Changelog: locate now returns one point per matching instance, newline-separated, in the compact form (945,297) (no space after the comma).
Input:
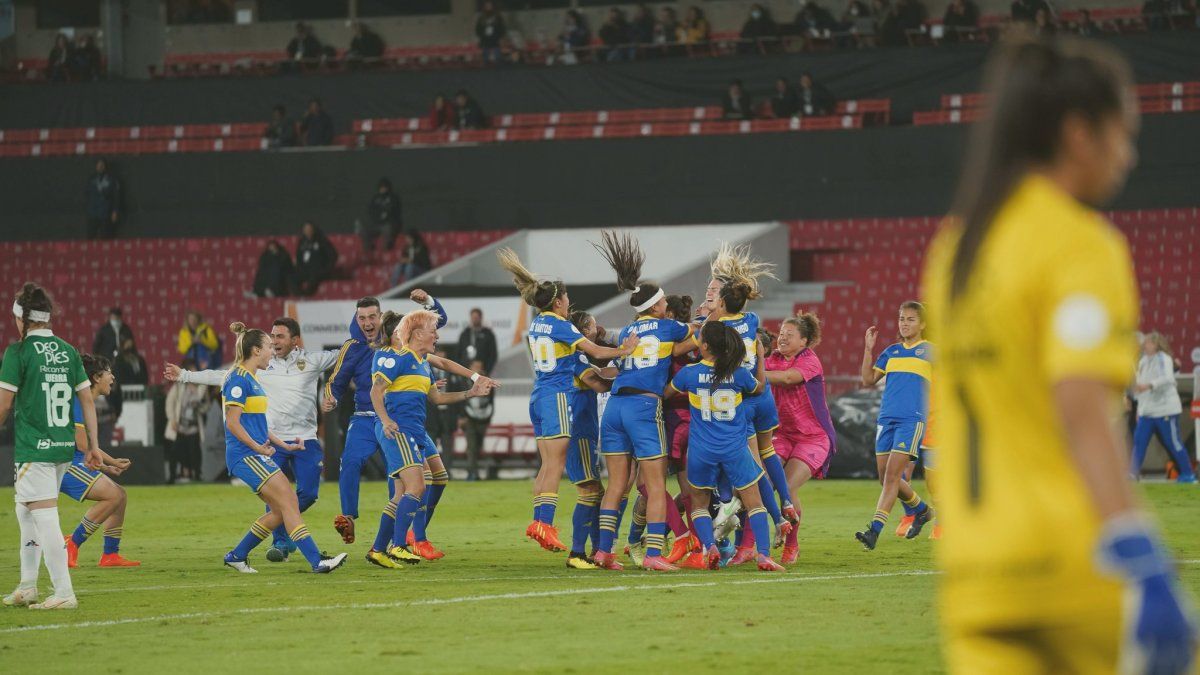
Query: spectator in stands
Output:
(414,260)
(641,28)
(103,197)
(198,342)
(441,114)
(468,114)
(129,367)
(316,259)
(575,36)
(281,132)
(696,29)
(1043,25)
(910,15)
(667,31)
(385,214)
(815,99)
(185,412)
(784,102)
(887,28)
(477,416)
(1086,27)
(441,421)
(814,20)
(85,59)
(304,46)
(856,16)
(111,334)
(273,277)
(758,29)
(317,125)
(58,64)
(736,103)
(614,33)
(478,343)
(366,46)
(491,31)
(1026,10)
(960,20)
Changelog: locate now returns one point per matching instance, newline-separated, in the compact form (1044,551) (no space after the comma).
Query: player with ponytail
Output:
(248,449)
(554,345)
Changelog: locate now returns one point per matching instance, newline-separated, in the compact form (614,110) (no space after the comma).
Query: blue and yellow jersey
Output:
(747,324)
(585,412)
(648,368)
(409,379)
(909,370)
(77,416)
(720,423)
(243,390)
(552,344)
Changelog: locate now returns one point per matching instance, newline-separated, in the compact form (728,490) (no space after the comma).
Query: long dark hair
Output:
(1033,84)
(623,253)
(727,349)
(539,294)
(32,298)
(679,307)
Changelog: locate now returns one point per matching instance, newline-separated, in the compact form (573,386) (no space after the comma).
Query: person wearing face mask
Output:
(111,334)
(758,30)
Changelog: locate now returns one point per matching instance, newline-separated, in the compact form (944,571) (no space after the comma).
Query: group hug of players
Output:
(741,424)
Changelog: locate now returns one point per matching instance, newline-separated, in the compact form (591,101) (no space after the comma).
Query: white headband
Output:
(651,302)
(35,315)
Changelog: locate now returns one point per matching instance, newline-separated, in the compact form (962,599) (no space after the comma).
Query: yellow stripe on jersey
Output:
(255,404)
(910,364)
(337,367)
(417,383)
(697,401)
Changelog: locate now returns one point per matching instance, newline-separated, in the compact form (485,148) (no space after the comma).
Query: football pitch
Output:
(496,602)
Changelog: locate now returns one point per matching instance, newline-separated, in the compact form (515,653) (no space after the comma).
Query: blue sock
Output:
(702,527)
(112,540)
(768,500)
(594,532)
(85,529)
(608,529)
(774,467)
(762,530)
(387,523)
(724,488)
(656,538)
(637,527)
(406,511)
(908,510)
(621,512)
(253,538)
(306,545)
(878,521)
(436,488)
(582,520)
(420,521)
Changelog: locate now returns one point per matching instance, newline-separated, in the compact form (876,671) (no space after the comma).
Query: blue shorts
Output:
(77,482)
(762,413)
(254,470)
(583,460)
(633,425)
(550,413)
(404,450)
(899,436)
(430,448)
(704,468)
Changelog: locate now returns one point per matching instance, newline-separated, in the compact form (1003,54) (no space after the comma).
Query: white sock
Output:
(54,550)
(31,553)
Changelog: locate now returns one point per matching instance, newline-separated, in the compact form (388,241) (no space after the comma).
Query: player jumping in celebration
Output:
(354,364)
(290,381)
(632,427)
(583,454)
(403,387)
(1050,563)
(735,281)
(806,439)
(38,379)
(248,449)
(82,483)
(908,365)
(720,426)
(553,346)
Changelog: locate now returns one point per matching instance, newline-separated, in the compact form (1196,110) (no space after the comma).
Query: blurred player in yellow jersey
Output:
(1050,564)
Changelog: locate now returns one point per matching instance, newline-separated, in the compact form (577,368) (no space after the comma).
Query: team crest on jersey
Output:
(300,365)
(921,351)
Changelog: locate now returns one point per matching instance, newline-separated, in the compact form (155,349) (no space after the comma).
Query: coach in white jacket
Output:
(1158,407)
(290,381)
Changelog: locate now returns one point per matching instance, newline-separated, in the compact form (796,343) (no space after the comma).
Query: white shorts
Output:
(38,481)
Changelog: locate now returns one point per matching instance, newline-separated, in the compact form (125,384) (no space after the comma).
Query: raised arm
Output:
(457,368)
(599,353)
(870,374)
(438,397)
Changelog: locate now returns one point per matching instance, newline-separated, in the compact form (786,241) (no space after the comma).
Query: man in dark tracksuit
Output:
(103,195)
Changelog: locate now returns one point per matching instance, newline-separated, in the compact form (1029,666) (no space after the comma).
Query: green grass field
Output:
(495,602)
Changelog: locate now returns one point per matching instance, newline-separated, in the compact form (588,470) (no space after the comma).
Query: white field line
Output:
(463,599)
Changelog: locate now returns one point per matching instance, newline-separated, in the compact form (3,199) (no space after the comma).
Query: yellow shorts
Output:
(1090,644)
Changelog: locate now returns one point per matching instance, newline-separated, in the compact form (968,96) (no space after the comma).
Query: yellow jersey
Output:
(1051,297)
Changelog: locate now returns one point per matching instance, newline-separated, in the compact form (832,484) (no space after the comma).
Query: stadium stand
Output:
(1153,98)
